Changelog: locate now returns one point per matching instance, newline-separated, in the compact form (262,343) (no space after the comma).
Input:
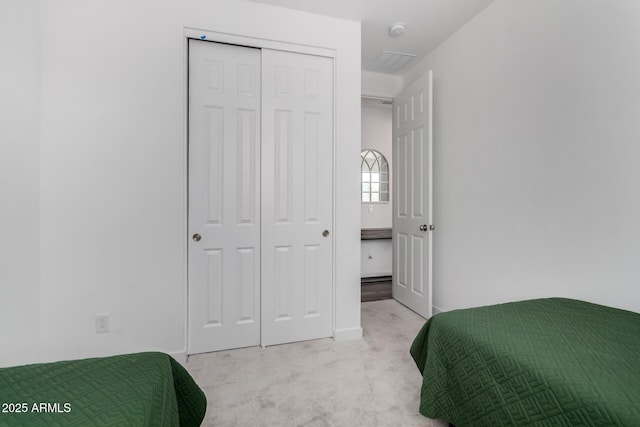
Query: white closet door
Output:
(297,165)
(412,206)
(224,196)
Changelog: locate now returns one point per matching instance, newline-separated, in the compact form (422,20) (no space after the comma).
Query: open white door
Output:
(413,196)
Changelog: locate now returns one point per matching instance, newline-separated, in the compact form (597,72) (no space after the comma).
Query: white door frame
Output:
(237,39)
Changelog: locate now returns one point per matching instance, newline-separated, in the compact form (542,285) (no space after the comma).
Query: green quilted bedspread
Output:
(143,389)
(547,362)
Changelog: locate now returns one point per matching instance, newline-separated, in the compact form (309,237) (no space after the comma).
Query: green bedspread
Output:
(547,362)
(143,389)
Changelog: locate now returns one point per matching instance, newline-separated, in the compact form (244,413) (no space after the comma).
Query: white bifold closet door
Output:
(260,197)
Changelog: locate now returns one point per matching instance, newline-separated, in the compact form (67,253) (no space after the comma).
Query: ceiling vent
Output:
(390,62)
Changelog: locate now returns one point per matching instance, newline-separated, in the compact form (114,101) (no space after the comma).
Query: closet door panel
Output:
(297,197)
(224,197)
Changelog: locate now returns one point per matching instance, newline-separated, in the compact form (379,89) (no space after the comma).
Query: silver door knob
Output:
(196,237)
(424,227)
(325,233)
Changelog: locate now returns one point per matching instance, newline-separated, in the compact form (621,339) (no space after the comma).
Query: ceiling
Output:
(428,23)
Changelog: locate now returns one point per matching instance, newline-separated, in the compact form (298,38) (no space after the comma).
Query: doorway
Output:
(376,199)
(410,215)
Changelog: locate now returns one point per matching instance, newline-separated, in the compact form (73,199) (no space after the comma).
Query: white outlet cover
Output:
(102,323)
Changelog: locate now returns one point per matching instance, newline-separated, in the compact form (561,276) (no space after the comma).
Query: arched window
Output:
(375,177)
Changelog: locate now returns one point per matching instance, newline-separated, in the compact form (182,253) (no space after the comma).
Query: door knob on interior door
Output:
(325,233)
(196,237)
(424,227)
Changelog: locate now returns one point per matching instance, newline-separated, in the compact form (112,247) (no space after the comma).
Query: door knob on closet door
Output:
(325,233)
(424,227)
(196,237)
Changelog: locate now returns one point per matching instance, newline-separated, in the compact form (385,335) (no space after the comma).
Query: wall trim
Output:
(340,335)
(436,310)
(240,40)
(376,273)
(181,357)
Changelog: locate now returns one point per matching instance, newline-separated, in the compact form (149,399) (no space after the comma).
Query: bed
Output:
(142,389)
(546,362)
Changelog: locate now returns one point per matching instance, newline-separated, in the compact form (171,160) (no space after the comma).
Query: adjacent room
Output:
(293,212)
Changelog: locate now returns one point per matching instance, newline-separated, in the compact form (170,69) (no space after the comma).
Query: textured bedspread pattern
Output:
(547,362)
(143,389)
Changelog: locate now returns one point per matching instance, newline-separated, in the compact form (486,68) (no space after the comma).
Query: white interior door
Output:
(412,207)
(297,232)
(224,196)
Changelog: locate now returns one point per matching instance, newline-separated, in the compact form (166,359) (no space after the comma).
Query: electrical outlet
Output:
(102,323)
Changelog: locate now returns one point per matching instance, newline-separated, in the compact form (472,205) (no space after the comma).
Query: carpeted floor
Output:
(369,382)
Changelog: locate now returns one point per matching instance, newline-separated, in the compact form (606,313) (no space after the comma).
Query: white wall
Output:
(380,85)
(536,145)
(113,177)
(19,180)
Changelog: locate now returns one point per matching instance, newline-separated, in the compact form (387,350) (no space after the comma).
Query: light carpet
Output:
(368,382)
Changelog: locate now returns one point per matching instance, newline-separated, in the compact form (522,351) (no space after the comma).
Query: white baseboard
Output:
(436,310)
(181,357)
(347,334)
(376,274)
